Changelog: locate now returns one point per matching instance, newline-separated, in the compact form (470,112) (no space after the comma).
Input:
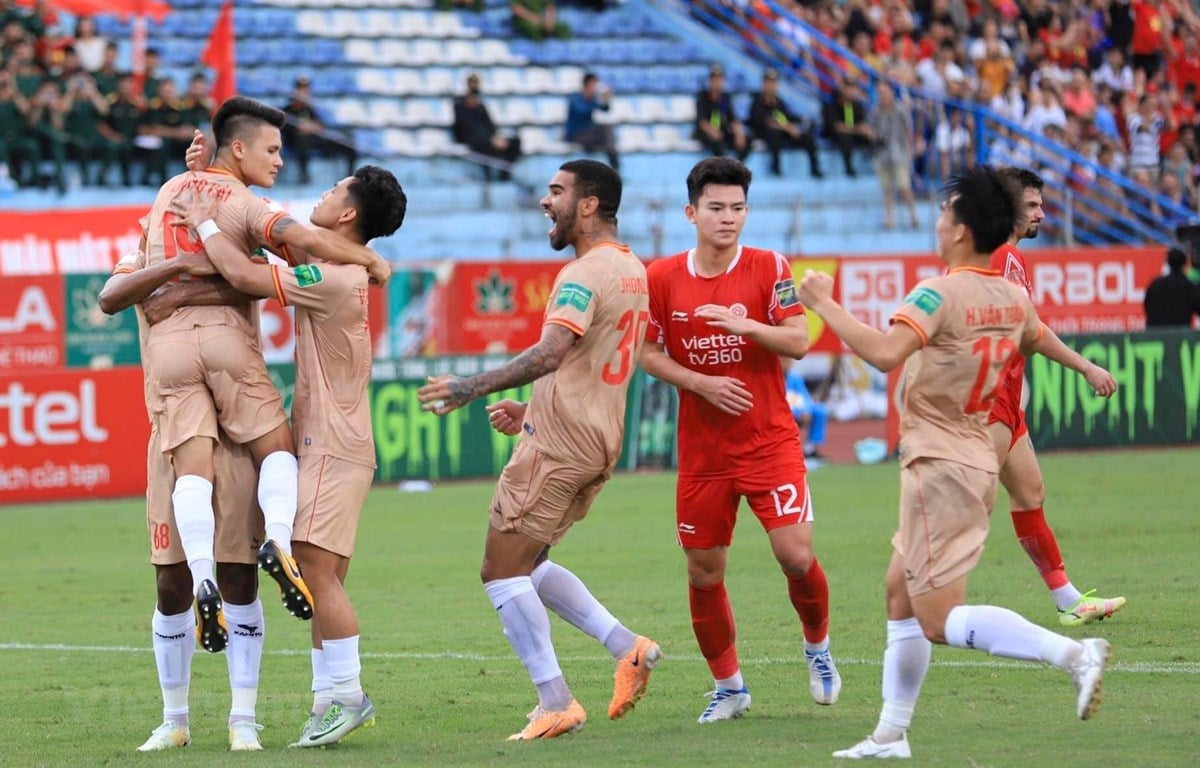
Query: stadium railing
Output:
(1086,203)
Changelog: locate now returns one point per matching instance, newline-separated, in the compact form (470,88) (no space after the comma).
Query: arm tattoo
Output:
(532,364)
(281,226)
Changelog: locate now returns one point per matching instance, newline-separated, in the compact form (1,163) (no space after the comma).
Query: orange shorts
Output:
(235,505)
(945,509)
(706,509)
(332,493)
(541,497)
(207,376)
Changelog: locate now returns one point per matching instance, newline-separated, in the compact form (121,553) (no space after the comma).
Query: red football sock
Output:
(810,598)
(712,621)
(1039,543)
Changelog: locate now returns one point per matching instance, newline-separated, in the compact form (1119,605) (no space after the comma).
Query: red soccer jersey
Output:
(713,443)
(1009,262)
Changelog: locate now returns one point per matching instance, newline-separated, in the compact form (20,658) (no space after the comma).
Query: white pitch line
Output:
(1137,667)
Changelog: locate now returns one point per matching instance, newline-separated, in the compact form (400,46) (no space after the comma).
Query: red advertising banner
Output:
(31,323)
(72,434)
(496,307)
(1089,290)
(67,241)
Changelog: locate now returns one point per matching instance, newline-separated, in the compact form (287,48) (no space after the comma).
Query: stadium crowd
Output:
(1115,80)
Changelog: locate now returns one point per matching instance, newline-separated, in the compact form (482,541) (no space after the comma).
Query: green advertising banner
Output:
(411,444)
(1157,400)
(94,339)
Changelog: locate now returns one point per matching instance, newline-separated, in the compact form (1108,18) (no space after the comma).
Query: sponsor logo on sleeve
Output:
(573,295)
(785,293)
(925,299)
(307,275)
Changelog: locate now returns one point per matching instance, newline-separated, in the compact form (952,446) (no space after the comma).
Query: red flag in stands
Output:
(221,55)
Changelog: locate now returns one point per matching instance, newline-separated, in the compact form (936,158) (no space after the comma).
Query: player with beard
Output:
(571,432)
(1020,473)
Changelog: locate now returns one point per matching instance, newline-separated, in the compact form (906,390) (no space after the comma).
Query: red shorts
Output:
(1006,409)
(706,509)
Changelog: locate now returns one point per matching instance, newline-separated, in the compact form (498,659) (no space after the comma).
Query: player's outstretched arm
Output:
(329,246)
(446,393)
(724,392)
(883,351)
(1050,346)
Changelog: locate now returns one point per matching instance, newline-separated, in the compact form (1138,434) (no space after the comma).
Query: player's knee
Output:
(238,583)
(705,575)
(796,561)
(934,633)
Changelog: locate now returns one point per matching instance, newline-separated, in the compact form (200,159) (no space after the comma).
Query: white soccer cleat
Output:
(725,705)
(869,749)
(824,682)
(314,720)
(243,736)
(1087,673)
(167,736)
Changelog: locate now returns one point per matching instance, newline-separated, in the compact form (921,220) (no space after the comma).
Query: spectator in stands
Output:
(198,106)
(1144,128)
(952,140)
(894,146)
(164,133)
(1078,98)
(120,127)
(717,127)
(1172,300)
(995,66)
(1044,109)
(19,149)
(12,31)
(582,128)
(473,127)
(306,134)
(1114,72)
(1178,164)
(151,79)
(89,45)
(107,75)
(84,112)
(1183,57)
(940,76)
(1105,118)
(45,118)
(1172,190)
(1151,33)
(771,121)
(845,124)
(27,73)
(538,19)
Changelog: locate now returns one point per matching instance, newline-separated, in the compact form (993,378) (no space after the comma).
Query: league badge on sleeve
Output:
(573,295)
(925,299)
(785,293)
(307,275)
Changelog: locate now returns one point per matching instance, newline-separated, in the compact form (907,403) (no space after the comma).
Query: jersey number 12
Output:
(1005,354)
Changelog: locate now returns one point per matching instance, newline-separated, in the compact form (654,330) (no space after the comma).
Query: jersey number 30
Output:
(632,333)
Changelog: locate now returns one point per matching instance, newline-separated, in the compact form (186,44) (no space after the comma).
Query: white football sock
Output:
(244,657)
(278,488)
(732,683)
(174,644)
(1065,596)
(564,593)
(344,667)
(527,627)
(322,686)
(1002,632)
(905,662)
(197,527)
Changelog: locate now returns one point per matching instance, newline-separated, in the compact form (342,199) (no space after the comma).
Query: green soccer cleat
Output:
(338,722)
(1090,609)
